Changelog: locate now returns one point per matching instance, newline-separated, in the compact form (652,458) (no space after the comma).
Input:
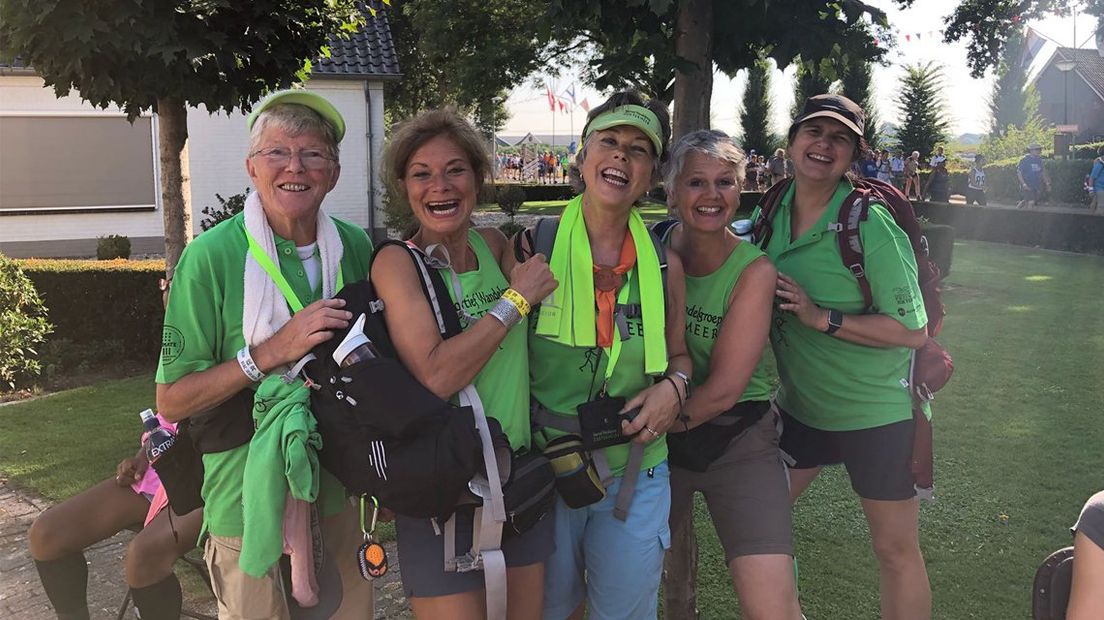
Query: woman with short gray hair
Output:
(726,442)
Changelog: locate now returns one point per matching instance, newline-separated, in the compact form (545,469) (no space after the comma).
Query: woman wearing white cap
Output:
(249,297)
(609,341)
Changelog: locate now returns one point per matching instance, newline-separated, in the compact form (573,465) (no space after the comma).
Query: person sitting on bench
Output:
(59,535)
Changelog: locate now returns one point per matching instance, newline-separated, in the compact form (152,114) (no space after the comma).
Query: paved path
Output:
(22,597)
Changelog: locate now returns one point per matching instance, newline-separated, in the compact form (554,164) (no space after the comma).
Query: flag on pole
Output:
(1033,43)
(585,105)
(551,98)
(563,106)
(570,92)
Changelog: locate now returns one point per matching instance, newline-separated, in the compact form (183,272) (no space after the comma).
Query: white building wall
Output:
(28,95)
(218,144)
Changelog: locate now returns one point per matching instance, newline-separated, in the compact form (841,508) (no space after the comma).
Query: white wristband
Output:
(248,366)
(506,312)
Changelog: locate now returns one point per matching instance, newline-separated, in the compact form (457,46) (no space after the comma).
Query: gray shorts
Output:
(747,492)
(422,554)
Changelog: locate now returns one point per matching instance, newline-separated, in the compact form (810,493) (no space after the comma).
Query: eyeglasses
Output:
(279,156)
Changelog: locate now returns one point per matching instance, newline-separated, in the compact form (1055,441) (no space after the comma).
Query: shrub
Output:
(23,326)
(228,208)
(1085,151)
(510,229)
(1066,180)
(98,301)
(112,247)
(510,198)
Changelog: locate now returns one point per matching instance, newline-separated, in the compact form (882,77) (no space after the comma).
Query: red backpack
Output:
(931,366)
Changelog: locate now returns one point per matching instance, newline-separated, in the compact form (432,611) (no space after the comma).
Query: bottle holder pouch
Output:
(180,469)
(577,478)
(530,493)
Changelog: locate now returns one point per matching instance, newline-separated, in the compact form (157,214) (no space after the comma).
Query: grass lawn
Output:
(1018,445)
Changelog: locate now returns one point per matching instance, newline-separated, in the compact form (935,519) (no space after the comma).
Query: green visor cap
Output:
(633,115)
(298,96)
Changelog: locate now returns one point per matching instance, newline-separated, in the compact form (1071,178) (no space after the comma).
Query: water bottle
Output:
(742,229)
(158,438)
(355,347)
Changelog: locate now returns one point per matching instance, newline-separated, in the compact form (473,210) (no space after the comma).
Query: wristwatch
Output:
(835,321)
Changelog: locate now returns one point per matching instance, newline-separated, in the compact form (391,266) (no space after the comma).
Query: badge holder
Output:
(371,557)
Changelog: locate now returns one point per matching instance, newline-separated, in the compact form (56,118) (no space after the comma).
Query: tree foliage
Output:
(634,40)
(812,78)
(921,107)
(855,84)
(166,56)
(1009,99)
(987,25)
(464,53)
(755,113)
(221,54)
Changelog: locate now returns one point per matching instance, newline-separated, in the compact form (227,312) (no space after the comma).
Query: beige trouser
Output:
(243,597)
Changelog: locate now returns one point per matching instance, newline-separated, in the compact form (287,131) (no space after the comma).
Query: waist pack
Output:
(697,448)
(180,468)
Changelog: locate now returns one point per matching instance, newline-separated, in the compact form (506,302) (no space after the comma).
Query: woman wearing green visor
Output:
(609,341)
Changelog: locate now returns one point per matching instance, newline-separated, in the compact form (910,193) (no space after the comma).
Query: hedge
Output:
(540,192)
(93,301)
(1071,232)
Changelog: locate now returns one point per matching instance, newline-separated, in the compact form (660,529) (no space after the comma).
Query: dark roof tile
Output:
(1090,65)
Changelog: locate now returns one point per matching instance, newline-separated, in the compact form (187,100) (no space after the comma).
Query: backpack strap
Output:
(761,229)
(854,211)
(435,290)
(663,229)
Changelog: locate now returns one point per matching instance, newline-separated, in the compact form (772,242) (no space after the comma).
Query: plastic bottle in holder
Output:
(356,347)
(158,438)
(742,229)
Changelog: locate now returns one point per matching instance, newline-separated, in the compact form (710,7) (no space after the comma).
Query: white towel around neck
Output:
(265,310)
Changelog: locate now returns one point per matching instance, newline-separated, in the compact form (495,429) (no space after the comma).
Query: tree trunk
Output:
(694,87)
(176,194)
(680,573)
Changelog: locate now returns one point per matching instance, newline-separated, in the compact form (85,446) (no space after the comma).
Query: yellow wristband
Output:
(519,302)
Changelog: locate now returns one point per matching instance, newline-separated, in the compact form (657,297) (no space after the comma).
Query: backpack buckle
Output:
(857,270)
(836,227)
(375,306)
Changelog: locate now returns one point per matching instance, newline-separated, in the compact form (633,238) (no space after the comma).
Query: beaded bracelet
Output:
(518,300)
(248,366)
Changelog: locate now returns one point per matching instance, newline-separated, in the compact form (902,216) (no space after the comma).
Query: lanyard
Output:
(274,272)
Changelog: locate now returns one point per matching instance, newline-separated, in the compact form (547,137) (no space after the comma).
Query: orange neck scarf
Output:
(607,280)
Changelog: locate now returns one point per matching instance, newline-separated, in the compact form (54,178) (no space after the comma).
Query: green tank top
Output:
(503,383)
(563,377)
(706,304)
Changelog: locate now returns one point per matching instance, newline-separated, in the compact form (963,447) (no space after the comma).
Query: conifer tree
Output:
(855,85)
(1008,104)
(755,113)
(811,79)
(920,102)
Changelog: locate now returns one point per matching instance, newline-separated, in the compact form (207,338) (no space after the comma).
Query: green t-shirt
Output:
(203,328)
(707,299)
(827,382)
(503,384)
(563,377)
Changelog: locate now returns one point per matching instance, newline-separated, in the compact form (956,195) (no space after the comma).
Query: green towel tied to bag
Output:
(568,315)
(282,459)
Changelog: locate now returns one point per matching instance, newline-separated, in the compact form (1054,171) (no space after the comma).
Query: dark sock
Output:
(161,601)
(66,583)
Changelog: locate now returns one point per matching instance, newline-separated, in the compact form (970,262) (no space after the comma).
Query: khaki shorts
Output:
(243,597)
(747,491)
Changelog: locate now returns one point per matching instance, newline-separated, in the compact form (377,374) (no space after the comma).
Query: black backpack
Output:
(384,434)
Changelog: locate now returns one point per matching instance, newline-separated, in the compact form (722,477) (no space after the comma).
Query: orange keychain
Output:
(371,557)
